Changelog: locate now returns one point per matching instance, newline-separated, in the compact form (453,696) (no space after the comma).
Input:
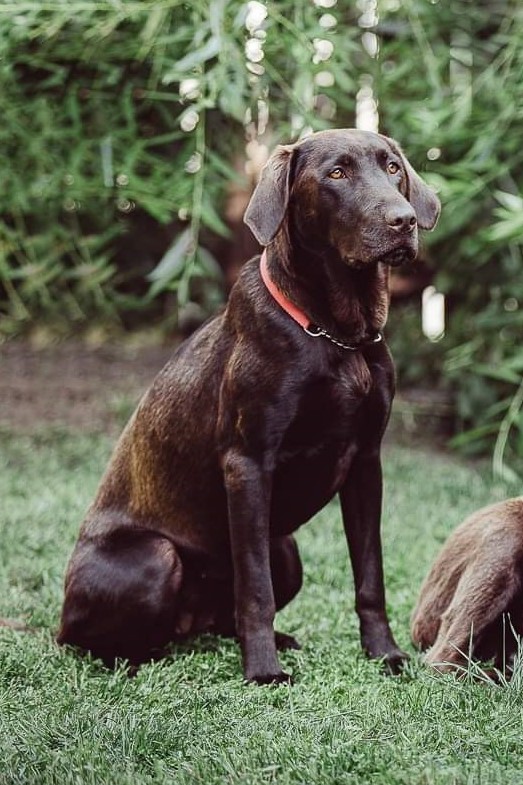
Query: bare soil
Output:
(72,385)
(96,389)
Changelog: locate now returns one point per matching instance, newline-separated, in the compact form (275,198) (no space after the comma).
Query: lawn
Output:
(189,718)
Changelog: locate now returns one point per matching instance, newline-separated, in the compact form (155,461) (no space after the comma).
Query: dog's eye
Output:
(393,167)
(337,174)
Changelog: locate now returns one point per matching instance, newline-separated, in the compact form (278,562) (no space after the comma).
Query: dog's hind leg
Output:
(286,570)
(435,596)
(121,595)
(464,547)
(287,579)
(484,592)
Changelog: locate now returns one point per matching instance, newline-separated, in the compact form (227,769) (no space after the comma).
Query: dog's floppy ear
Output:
(425,202)
(266,210)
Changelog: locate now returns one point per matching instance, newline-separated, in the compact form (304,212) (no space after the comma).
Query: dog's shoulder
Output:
(247,296)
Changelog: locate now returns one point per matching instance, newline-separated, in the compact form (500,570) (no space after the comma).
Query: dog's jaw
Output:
(398,257)
(394,257)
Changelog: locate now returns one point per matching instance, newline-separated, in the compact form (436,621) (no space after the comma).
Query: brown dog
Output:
(255,424)
(476,579)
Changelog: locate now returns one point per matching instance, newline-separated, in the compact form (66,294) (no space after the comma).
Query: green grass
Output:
(190,719)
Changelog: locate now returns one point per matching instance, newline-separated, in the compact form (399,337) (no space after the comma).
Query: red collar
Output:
(303,320)
(283,301)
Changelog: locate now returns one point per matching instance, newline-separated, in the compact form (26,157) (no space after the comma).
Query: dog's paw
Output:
(284,641)
(262,679)
(394,661)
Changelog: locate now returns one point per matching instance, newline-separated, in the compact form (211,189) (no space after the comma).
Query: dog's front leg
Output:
(248,487)
(361,506)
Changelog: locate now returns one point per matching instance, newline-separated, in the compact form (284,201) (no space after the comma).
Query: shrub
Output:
(123,124)
(463,100)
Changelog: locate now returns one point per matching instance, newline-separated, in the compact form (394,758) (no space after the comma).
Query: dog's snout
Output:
(401,219)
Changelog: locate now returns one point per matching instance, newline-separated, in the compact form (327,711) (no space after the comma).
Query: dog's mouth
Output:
(393,257)
(398,256)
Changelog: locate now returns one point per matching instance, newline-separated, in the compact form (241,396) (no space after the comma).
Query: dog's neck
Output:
(348,302)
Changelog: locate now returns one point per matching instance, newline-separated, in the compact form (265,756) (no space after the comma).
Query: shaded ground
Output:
(73,385)
(96,390)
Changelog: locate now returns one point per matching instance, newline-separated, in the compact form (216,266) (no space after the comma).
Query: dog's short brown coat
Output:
(475,581)
(253,426)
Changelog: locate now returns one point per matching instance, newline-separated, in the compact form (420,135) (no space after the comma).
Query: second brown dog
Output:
(471,603)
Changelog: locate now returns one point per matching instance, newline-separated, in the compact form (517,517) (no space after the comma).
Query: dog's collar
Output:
(303,320)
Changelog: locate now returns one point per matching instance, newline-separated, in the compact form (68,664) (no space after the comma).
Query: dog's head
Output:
(352,191)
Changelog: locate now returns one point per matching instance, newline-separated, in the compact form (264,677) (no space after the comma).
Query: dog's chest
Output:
(318,447)
(327,410)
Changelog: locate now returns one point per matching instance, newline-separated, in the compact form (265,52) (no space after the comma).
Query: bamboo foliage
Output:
(123,122)
(471,116)
(101,126)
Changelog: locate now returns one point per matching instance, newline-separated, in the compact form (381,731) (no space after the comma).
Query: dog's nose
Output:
(401,219)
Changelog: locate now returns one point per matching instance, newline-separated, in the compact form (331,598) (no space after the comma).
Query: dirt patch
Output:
(73,385)
(96,389)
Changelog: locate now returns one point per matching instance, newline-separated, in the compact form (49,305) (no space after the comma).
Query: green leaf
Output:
(192,59)
(502,373)
(512,202)
(212,219)
(173,262)
(209,264)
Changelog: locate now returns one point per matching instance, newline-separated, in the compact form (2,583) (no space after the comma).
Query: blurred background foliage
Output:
(133,130)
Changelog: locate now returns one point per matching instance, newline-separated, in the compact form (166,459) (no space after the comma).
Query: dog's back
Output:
(162,471)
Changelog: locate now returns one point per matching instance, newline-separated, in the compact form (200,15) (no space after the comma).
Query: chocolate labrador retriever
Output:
(471,602)
(258,420)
